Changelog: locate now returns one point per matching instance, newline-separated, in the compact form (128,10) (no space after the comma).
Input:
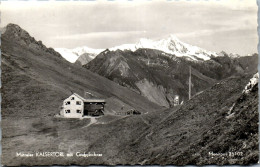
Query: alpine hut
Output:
(76,106)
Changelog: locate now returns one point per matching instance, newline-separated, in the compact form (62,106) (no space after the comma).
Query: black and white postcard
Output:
(129,82)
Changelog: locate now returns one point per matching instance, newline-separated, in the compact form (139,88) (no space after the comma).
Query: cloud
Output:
(208,32)
(115,34)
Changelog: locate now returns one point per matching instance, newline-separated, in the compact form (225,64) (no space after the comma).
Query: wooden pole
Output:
(190,85)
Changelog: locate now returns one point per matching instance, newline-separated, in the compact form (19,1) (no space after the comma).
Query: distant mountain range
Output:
(171,45)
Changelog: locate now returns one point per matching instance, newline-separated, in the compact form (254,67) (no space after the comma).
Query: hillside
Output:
(234,134)
(35,81)
(222,120)
(160,76)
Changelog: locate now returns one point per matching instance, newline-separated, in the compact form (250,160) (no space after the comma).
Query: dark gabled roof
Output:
(90,100)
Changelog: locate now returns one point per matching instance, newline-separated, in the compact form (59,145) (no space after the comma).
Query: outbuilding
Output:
(76,106)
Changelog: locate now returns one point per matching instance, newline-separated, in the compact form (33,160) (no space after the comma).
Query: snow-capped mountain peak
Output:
(123,47)
(81,50)
(72,55)
(171,45)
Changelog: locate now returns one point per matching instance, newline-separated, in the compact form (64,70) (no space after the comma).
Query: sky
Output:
(214,25)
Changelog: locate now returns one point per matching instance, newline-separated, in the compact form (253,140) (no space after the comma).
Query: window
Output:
(67,111)
(72,98)
(78,102)
(78,111)
(67,103)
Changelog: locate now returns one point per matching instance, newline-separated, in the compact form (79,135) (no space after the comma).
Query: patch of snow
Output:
(234,55)
(230,114)
(253,81)
(106,52)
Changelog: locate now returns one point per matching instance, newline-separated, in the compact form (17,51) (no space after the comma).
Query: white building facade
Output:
(72,107)
(76,106)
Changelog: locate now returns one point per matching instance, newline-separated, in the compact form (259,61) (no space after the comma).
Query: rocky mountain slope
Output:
(85,58)
(160,76)
(15,33)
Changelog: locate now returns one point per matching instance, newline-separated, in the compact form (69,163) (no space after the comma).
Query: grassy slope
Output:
(232,132)
(187,135)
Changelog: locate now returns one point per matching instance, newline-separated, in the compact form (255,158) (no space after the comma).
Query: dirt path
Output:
(92,121)
(112,120)
(146,122)
(148,139)
(149,134)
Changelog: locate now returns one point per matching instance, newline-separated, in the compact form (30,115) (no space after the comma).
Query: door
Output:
(86,109)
